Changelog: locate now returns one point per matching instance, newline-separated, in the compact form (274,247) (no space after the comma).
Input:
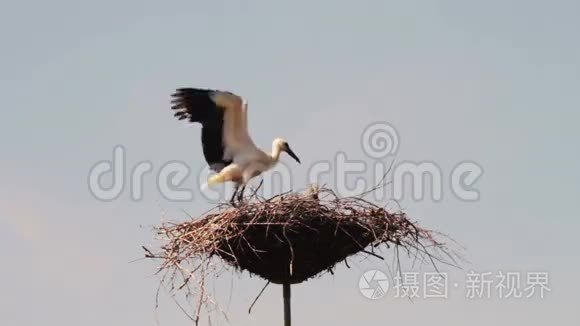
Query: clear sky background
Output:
(496,82)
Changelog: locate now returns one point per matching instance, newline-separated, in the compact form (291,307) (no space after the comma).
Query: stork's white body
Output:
(228,147)
(248,160)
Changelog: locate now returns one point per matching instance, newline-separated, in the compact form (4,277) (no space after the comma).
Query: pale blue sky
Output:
(496,82)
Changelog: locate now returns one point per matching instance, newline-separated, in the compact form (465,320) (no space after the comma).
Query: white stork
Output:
(227,146)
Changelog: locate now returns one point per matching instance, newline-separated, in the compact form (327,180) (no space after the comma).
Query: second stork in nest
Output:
(227,146)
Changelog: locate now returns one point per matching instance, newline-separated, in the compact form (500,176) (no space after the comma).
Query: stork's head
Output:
(282,146)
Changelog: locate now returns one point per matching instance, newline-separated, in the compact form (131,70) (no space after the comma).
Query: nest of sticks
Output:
(289,238)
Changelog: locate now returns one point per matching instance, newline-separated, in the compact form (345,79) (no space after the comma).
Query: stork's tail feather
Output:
(213,180)
(216,179)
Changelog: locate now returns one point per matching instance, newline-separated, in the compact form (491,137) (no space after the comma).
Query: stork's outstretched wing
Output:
(223,117)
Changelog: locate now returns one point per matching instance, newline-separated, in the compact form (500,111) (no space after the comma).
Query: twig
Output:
(259,295)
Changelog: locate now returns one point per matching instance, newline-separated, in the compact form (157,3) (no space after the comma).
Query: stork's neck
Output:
(275,152)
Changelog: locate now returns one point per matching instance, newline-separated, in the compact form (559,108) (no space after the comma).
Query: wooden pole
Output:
(286,294)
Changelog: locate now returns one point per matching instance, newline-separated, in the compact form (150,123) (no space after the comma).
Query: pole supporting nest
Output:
(286,295)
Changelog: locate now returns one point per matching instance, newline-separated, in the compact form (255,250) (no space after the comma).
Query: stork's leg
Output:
(237,187)
(241,193)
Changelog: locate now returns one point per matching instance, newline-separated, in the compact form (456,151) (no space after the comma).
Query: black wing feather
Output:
(196,105)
